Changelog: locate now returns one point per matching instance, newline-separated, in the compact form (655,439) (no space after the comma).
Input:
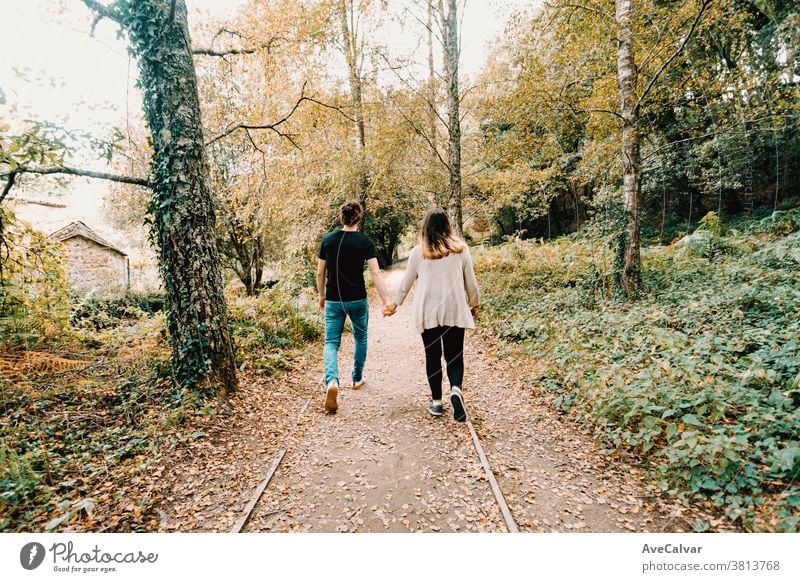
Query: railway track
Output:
(241,524)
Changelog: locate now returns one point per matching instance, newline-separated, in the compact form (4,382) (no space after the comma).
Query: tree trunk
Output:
(258,266)
(435,193)
(182,211)
(247,280)
(630,280)
(350,43)
(451,50)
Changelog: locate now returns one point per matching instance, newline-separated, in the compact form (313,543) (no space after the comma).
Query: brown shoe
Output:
(330,397)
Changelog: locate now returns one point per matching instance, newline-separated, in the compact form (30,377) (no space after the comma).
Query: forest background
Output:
(628,174)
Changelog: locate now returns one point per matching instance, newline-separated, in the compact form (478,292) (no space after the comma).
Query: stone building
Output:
(93,264)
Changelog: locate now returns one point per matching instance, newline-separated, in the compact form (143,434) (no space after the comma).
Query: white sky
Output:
(49,40)
(70,78)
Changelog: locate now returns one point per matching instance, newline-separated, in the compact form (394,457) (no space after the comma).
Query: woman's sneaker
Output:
(359,384)
(435,408)
(457,400)
(330,396)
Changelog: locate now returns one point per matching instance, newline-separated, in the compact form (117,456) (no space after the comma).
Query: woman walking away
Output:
(445,304)
(342,256)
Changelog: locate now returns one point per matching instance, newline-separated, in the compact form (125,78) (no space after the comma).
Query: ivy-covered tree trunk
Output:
(627,78)
(451,54)
(182,210)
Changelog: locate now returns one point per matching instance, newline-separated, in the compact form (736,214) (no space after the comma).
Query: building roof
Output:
(78,228)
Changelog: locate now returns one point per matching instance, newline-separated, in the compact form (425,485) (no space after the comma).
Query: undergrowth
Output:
(73,436)
(63,432)
(700,378)
(269,326)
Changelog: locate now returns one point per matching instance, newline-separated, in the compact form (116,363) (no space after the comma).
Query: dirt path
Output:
(382,463)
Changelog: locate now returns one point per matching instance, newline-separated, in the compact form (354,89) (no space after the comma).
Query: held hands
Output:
(390,309)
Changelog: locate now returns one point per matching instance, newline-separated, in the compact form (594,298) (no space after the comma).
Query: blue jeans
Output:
(335,314)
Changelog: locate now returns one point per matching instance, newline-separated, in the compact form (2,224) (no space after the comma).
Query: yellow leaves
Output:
(604,96)
(34,279)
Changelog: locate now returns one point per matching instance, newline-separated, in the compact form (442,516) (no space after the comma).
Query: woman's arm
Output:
(409,277)
(471,283)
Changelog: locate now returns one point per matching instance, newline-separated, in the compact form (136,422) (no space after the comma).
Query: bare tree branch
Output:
(336,108)
(424,24)
(102,11)
(424,136)
(37,202)
(271,126)
(73,172)
(431,106)
(212,52)
(224,30)
(95,22)
(275,126)
(576,110)
(12,176)
(606,111)
(209,52)
(705,4)
(253,142)
(247,126)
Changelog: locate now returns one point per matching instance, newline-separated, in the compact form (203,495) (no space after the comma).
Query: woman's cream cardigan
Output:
(446,289)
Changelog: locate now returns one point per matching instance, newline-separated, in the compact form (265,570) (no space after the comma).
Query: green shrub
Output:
(97,313)
(20,482)
(780,222)
(34,299)
(699,378)
(272,320)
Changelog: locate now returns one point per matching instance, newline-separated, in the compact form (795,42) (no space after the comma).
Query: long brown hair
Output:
(437,237)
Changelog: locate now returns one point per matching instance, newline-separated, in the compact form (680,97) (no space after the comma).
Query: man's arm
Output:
(377,278)
(321,266)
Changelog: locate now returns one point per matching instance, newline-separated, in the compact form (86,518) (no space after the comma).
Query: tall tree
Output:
(346,13)
(451,52)
(431,98)
(630,109)
(181,209)
(627,79)
(592,100)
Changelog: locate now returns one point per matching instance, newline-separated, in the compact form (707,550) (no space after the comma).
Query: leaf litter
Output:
(382,463)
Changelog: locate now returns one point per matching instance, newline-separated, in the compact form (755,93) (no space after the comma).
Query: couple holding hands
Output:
(445,301)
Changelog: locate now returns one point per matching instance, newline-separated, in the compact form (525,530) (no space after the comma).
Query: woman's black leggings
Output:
(452,339)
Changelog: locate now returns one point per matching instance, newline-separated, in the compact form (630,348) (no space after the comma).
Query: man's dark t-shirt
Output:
(345,253)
